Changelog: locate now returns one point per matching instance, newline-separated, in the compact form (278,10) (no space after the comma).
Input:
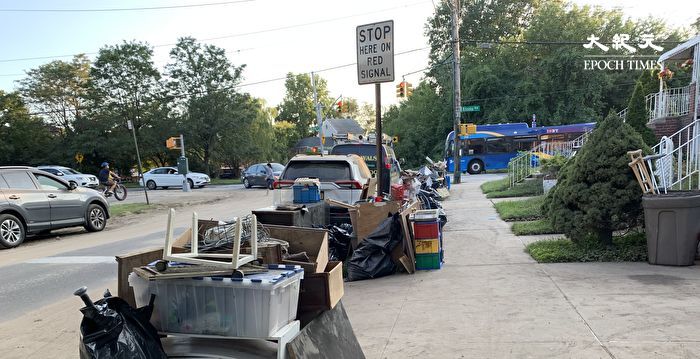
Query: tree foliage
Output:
(597,192)
(297,107)
(24,140)
(637,115)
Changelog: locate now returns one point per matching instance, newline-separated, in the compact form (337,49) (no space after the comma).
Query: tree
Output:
(57,90)
(125,86)
(285,138)
(597,192)
(24,139)
(203,82)
(637,115)
(297,107)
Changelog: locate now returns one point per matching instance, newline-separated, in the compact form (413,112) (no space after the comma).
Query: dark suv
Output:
(33,201)
(368,151)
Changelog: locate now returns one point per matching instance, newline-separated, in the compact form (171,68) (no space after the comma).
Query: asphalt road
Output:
(48,269)
(136,195)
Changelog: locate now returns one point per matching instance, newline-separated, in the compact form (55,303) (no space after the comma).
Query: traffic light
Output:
(340,106)
(409,89)
(401,89)
(173,143)
(395,139)
(467,129)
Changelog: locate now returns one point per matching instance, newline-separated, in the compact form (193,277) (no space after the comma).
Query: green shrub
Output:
(550,166)
(520,210)
(597,192)
(527,188)
(628,248)
(540,226)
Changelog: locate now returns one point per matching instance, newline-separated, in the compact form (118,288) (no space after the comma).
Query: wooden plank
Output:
(330,335)
(126,264)
(410,263)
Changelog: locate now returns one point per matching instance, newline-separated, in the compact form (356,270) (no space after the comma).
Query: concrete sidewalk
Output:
(491,300)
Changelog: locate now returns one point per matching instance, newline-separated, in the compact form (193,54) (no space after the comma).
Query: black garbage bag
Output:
(372,258)
(339,242)
(111,328)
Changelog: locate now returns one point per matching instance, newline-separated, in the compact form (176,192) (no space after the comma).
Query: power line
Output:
(168,7)
(256,32)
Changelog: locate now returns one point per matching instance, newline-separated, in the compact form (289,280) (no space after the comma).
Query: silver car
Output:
(72,176)
(33,201)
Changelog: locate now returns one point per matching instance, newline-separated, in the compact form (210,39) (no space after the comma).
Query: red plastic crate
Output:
(426,230)
(397,192)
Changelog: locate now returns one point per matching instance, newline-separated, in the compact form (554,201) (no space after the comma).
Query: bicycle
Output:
(120,191)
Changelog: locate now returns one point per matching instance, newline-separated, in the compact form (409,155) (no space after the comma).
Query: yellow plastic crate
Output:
(427,246)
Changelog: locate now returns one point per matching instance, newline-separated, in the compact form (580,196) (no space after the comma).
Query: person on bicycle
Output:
(107,177)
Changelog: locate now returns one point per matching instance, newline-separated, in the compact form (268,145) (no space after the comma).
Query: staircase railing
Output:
(670,102)
(524,165)
(675,164)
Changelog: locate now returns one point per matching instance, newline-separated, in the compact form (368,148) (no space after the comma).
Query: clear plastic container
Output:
(256,306)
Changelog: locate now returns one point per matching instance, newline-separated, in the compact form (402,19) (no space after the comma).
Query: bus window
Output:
(496,145)
(523,143)
(474,147)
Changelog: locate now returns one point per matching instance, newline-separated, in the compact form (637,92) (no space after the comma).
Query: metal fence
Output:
(675,164)
(670,102)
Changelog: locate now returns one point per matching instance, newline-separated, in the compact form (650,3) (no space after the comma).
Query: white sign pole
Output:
(375,64)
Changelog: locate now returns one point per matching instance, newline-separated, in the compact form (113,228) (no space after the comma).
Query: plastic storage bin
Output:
(672,224)
(426,230)
(306,193)
(427,246)
(429,261)
(256,306)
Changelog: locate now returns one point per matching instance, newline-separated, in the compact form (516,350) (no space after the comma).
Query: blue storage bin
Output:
(306,194)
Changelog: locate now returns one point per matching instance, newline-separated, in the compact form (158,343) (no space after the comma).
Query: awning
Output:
(682,51)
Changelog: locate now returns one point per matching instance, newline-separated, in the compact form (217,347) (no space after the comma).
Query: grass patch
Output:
(497,185)
(629,248)
(522,210)
(225,181)
(540,226)
(532,187)
(117,210)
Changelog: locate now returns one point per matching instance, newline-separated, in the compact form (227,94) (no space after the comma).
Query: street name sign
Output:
(472,108)
(375,52)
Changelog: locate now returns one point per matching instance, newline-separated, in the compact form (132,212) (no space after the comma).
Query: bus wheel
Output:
(475,167)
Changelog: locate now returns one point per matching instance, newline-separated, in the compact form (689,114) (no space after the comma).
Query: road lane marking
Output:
(74,260)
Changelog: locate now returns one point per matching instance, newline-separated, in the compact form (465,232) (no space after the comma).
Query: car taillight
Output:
(387,165)
(349,184)
(280,184)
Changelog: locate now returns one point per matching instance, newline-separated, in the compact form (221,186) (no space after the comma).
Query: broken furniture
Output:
(195,257)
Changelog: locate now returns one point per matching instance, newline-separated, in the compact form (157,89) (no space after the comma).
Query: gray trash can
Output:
(672,224)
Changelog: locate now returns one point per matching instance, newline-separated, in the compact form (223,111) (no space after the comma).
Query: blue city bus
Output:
(493,146)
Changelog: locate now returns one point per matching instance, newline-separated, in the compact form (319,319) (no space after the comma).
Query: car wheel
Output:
(96,218)
(246,184)
(475,167)
(190,183)
(12,231)
(151,184)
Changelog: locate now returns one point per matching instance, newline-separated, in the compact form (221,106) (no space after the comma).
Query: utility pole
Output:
(138,157)
(183,164)
(319,121)
(457,155)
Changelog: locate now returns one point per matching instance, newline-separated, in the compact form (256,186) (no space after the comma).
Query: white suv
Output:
(71,176)
(342,177)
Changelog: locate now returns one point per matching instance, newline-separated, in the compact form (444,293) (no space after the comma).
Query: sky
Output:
(271,37)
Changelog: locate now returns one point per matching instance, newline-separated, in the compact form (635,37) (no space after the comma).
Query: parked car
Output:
(165,177)
(342,177)
(256,175)
(368,151)
(34,201)
(72,176)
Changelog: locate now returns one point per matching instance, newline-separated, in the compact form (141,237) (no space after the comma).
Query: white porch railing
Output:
(523,165)
(675,164)
(668,103)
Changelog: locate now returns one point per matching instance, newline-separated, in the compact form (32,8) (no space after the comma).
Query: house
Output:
(672,109)
(342,127)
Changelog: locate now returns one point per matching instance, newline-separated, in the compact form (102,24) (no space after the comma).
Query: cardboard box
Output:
(366,217)
(322,291)
(310,240)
